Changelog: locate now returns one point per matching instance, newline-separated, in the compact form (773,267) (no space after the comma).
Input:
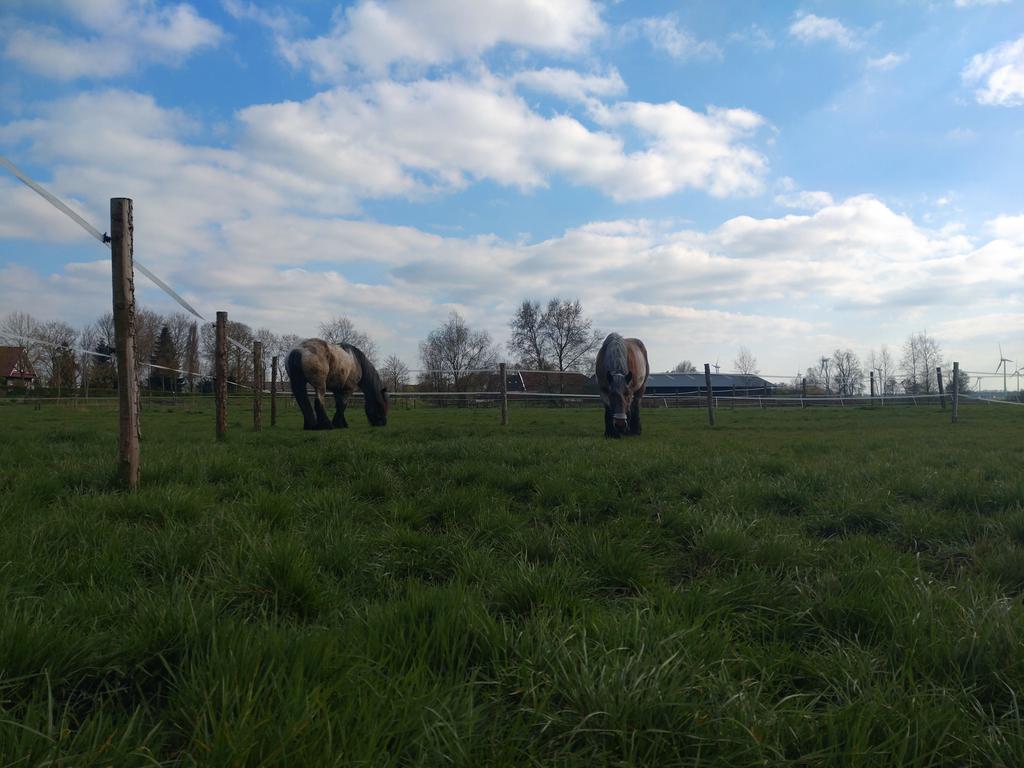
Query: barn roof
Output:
(14,363)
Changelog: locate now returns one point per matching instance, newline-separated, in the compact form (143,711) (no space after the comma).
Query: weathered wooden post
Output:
(872,376)
(942,391)
(956,388)
(257,386)
(123,275)
(273,391)
(504,394)
(803,396)
(711,401)
(220,374)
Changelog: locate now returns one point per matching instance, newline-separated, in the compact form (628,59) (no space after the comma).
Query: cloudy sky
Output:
(788,176)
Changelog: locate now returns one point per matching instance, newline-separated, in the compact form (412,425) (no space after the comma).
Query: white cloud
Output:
(968,3)
(569,84)
(1000,70)
(810,28)
(119,36)
(1008,227)
(372,35)
(410,139)
(889,61)
(665,35)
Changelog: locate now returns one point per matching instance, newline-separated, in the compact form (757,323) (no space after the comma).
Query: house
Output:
(15,368)
(722,384)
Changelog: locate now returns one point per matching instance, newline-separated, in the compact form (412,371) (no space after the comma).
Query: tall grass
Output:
(802,588)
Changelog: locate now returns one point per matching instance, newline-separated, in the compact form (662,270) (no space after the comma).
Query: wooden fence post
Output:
(956,388)
(803,396)
(711,400)
(257,386)
(220,374)
(273,391)
(123,275)
(942,392)
(872,375)
(504,394)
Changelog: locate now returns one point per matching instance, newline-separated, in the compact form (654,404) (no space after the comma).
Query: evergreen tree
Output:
(164,373)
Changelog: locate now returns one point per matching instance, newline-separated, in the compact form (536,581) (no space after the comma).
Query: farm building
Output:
(15,368)
(721,383)
(567,382)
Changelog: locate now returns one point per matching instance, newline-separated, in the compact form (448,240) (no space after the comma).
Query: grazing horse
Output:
(339,368)
(622,371)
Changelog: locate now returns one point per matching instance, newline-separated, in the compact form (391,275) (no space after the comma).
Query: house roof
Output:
(696,381)
(14,363)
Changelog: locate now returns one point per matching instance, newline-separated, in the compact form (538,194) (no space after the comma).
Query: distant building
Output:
(15,368)
(567,382)
(722,384)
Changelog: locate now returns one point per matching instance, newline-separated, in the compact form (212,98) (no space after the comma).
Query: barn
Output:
(15,368)
(722,384)
(567,382)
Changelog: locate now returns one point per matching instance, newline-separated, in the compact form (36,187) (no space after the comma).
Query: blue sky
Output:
(789,177)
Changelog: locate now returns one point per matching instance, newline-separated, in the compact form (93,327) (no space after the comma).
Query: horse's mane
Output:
(615,356)
(369,382)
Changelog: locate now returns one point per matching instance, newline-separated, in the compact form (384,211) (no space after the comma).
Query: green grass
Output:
(793,588)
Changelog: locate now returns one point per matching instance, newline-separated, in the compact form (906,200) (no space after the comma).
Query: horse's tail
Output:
(298,381)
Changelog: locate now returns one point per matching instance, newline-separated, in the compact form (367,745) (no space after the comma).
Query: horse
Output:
(339,368)
(622,370)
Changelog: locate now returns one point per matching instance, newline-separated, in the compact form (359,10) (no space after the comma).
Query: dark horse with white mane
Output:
(622,371)
(339,368)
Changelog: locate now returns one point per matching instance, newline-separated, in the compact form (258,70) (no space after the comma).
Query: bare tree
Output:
(745,362)
(882,363)
(57,356)
(178,326)
(684,366)
(341,330)
(455,350)
(921,355)
(21,328)
(239,359)
(147,330)
(87,340)
(528,343)
(192,356)
(848,375)
(395,374)
(569,335)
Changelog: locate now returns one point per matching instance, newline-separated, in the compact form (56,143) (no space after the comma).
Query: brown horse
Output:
(622,371)
(339,368)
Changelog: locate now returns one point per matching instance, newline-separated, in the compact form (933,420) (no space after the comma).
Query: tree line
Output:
(176,353)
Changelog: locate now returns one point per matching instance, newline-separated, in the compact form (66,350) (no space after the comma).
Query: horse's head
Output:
(377,405)
(620,398)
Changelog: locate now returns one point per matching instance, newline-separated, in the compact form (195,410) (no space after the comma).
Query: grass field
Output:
(801,588)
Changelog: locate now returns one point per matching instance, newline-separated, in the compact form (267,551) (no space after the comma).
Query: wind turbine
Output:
(717,366)
(1002,362)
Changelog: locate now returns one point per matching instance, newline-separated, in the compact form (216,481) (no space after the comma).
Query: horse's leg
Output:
(340,401)
(322,422)
(609,424)
(634,416)
(302,398)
